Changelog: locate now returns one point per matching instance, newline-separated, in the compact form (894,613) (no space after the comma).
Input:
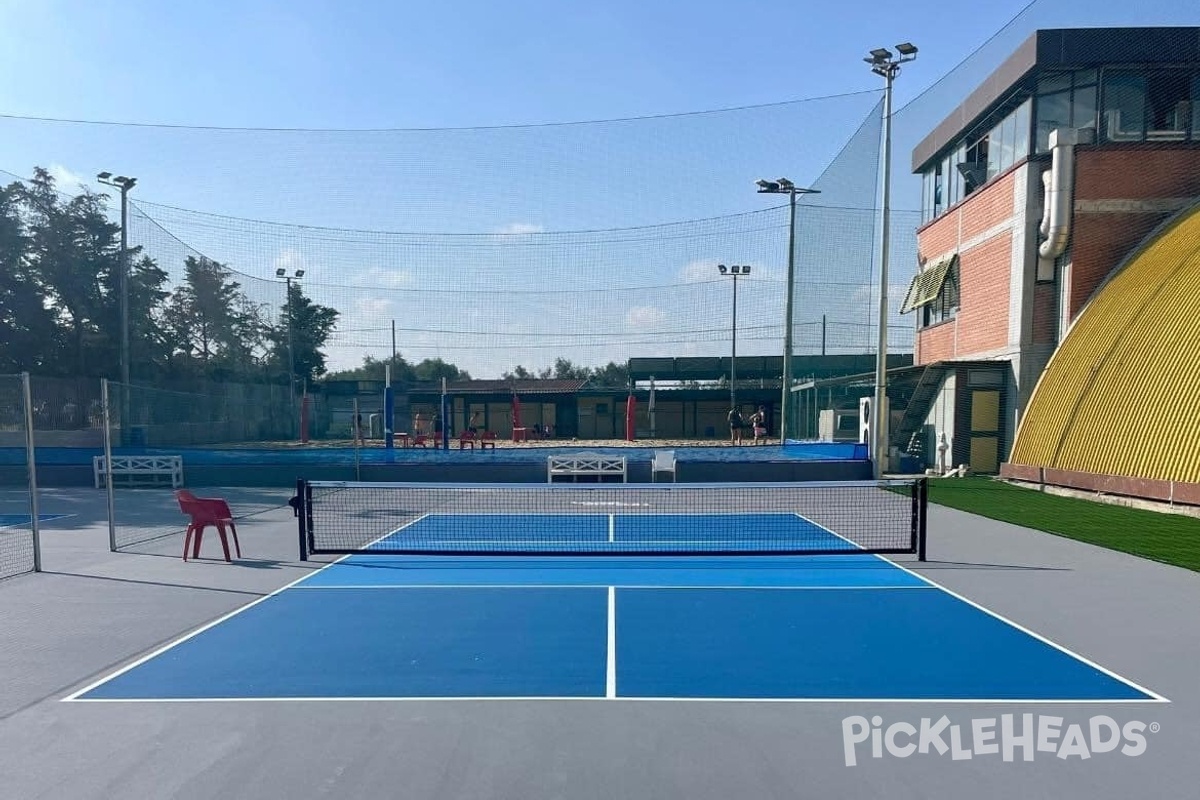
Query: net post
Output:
(302,517)
(922,490)
(31,467)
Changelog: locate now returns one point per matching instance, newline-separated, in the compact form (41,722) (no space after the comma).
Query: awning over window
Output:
(927,285)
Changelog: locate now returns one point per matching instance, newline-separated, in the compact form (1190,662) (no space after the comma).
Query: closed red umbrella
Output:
(630,417)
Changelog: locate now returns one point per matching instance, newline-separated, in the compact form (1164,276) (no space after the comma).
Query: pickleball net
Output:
(348,517)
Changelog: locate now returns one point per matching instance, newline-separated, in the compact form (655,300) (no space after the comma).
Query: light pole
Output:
(785,186)
(887,66)
(282,273)
(124,184)
(735,271)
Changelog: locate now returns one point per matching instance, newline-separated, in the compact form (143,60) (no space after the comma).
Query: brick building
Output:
(1035,190)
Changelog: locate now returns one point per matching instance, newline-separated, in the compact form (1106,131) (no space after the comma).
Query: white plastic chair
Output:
(664,461)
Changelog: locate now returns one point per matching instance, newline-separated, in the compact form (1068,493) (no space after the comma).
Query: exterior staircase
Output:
(923,394)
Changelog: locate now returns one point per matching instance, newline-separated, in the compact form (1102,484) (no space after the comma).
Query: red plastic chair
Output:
(205,511)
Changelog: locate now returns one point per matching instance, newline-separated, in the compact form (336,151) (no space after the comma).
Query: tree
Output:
(612,375)
(303,329)
(518,374)
(434,369)
(74,251)
(211,323)
(28,333)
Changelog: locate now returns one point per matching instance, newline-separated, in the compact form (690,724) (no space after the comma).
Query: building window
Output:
(1196,108)
(1065,100)
(1053,111)
(1148,105)
(1021,130)
(977,160)
(945,306)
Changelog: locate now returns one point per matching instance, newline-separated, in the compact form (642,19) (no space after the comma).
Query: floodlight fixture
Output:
(785,186)
(886,66)
(735,271)
(124,184)
(279,273)
(299,273)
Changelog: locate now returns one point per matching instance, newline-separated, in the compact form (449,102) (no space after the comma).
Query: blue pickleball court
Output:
(849,626)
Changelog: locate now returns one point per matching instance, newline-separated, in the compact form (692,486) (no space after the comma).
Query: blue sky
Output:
(471,66)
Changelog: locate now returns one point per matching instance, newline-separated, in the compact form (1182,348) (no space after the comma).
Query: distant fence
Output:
(20,538)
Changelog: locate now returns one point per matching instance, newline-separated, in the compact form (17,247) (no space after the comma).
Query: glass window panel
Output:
(1196,108)
(1007,130)
(1021,126)
(1054,82)
(1167,108)
(927,195)
(947,181)
(939,189)
(1053,111)
(1124,106)
(1083,108)
(995,149)
(1085,77)
(956,180)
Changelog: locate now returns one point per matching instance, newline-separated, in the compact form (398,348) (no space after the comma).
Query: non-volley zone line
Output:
(464,530)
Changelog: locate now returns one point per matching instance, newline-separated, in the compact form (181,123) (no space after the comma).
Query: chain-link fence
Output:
(158,441)
(20,544)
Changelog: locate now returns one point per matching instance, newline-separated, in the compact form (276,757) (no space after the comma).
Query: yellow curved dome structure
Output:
(1121,395)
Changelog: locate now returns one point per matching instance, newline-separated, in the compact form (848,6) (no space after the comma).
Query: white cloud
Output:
(289,260)
(385,278)
(644,318)
(373,307)
(698,271)
(519,228)
(65,179)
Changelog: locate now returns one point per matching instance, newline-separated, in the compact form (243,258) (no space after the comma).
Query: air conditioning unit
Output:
(864,420)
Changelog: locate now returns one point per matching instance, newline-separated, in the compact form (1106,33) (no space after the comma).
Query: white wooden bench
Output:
(140,470)
(586,465)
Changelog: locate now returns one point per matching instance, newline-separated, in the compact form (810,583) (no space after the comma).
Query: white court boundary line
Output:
(75,697)
(610,666)
(1154,697)
(383,587)
(593,698)
(29,521)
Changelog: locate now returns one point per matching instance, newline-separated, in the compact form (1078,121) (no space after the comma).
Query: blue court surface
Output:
(23,520)
(841,627)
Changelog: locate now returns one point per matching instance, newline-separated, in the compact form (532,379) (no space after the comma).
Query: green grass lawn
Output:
(1169,538)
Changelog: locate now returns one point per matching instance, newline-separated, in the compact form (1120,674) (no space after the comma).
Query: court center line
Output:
(1153,697)
(610,677)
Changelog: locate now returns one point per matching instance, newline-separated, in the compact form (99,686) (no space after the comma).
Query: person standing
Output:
(759,422)
(735,425)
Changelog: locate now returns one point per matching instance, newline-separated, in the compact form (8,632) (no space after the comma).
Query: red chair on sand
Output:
(205,511)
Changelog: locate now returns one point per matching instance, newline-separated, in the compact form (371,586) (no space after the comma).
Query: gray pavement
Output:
(93,610)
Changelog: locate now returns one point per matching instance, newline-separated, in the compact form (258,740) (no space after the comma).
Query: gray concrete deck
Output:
(92,611)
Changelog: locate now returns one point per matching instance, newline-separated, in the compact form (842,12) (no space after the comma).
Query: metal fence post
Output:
(31,468)
(108,482)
